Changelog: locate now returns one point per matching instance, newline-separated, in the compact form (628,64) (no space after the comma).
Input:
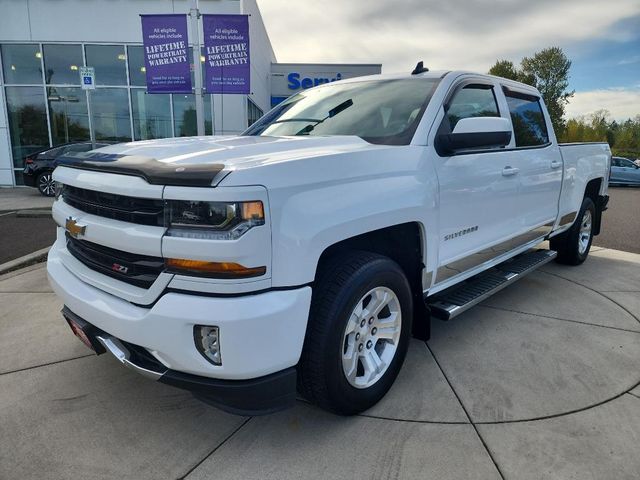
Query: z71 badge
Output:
(460,233)
(116,267)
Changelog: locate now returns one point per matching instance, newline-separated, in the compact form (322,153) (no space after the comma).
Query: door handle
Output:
(556,164)
(509,171)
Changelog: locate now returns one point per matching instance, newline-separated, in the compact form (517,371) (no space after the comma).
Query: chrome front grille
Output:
(143,211)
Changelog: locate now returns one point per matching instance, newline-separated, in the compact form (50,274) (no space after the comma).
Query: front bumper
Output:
(259,334)
(256,396)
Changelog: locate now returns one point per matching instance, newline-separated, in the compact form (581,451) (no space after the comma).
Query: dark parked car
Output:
(624,172)
(39,166)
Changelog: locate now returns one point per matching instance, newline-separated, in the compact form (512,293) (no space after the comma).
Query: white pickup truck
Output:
(301,255)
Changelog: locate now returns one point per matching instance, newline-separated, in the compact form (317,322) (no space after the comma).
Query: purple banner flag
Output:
(226,43)
(166,57)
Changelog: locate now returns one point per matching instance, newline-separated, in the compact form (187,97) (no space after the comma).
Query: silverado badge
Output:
(74,228)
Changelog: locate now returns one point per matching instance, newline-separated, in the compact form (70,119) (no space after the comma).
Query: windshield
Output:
(382,111)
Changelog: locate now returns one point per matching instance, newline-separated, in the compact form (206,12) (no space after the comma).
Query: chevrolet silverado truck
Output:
(300,256)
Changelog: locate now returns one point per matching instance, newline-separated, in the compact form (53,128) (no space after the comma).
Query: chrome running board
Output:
(452,302)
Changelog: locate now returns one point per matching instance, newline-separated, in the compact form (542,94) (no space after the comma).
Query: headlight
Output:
(213,220)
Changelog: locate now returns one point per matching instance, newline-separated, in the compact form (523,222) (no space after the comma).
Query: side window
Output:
(472,101)
(627,163)
(615,162)
(529,126)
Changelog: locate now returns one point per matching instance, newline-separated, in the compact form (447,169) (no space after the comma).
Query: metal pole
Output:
(194,13)
(92,132)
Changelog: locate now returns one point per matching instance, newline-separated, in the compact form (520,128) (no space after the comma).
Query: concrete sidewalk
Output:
(22,198)
(541,381)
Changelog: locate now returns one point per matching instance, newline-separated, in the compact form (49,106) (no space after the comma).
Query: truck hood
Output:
(205,161)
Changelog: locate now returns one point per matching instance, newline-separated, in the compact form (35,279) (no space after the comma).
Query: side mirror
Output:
(475,132)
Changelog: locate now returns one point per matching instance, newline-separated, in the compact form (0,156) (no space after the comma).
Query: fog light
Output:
(208,342)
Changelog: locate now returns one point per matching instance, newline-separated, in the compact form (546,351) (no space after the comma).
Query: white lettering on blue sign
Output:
(295,82)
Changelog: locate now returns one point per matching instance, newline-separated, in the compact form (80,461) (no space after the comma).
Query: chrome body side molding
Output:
(490,261)
(455,269)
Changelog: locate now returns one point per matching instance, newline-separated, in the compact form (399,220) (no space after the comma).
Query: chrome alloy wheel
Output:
(584,237)
(47,185)
(371,337)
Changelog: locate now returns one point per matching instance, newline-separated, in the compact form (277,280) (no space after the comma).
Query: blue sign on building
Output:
(295,82)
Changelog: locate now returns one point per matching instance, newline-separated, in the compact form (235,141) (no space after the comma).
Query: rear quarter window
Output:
(529,126)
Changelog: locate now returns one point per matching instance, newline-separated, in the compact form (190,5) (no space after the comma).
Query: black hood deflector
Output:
(153,171)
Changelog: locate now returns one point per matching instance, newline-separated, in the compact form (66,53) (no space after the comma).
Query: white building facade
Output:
(44,43)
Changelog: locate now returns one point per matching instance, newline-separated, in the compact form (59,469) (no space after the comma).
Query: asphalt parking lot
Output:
(541,381)
(621,222)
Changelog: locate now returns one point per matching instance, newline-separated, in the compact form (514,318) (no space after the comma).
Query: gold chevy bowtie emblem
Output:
(73,228)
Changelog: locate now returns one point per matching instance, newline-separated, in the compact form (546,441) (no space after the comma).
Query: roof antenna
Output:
(420,68)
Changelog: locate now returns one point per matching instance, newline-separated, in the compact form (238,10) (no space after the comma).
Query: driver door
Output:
(478,191)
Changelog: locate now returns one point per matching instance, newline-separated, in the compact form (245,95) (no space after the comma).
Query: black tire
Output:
(45,184)
(341,284)
(567,244)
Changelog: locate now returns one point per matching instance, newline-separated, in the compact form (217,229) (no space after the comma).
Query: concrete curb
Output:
(21,262)
(34,213)
(25,210)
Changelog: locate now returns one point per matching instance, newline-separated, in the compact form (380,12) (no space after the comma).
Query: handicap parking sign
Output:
(88,78)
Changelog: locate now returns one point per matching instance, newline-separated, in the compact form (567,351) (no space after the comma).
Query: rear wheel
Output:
(573,245)
(46,185)
(358,333)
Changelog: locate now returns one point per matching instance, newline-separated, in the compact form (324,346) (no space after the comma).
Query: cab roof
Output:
(452,74)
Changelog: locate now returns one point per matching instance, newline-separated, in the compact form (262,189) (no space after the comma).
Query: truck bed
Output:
(582,162)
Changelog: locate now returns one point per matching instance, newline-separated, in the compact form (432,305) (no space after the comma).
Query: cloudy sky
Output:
(602,38)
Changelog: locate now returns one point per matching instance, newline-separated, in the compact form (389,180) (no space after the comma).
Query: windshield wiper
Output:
(300,119)
(332,113)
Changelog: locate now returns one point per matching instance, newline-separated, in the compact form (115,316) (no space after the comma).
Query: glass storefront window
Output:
(44,79)
(21,64)
(27,121)
(137,71)
(184,114)
(110,114)
(68,114)
(253,112)
(109,62)
(151,115)
(62,64)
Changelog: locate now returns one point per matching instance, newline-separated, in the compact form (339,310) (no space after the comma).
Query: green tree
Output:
(505,69)
(623,137)
(550,68)
(548,71)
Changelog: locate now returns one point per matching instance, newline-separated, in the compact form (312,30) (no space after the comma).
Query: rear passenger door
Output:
(539,162)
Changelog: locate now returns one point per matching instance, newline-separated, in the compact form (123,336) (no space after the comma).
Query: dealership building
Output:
(44,44)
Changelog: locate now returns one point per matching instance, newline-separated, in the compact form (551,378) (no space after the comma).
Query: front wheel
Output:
(46,185)
(573,245)
(358,333)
